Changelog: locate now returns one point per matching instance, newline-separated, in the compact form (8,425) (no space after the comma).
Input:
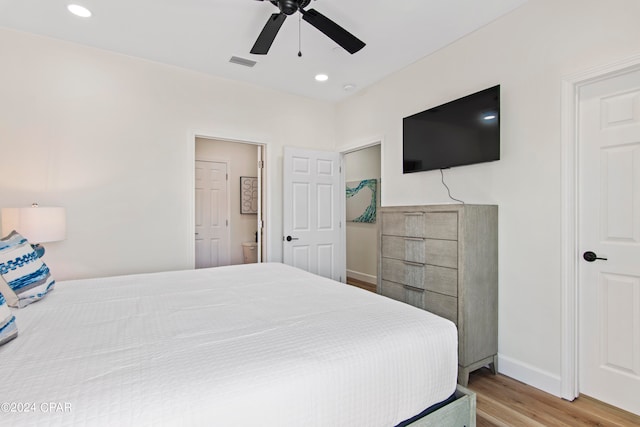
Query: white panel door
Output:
(609,227)
(312,213)
(212,214)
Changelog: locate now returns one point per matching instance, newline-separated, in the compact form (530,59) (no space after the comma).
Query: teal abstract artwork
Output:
(361,201)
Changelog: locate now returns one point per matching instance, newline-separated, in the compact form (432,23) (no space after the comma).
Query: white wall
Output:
(362,238)
(242,160)
(528,52)
(111,138)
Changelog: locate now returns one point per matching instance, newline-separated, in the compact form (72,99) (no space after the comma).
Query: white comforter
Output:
(249,345)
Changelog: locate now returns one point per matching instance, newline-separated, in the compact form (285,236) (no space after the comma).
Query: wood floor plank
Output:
(503,401)
(362,284)
(509,416)
(608,413)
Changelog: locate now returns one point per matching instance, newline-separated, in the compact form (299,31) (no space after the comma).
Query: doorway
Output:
(243,210)
(601,236)
(362,171)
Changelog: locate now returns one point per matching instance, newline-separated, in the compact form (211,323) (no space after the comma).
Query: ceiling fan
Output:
(288,7)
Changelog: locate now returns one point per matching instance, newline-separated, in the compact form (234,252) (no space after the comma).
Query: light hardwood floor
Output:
(505,402)
(361,284)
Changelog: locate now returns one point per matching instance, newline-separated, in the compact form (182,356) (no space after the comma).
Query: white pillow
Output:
(8,329)
(27,277)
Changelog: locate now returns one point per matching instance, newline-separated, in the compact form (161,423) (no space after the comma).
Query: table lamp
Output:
(37,224)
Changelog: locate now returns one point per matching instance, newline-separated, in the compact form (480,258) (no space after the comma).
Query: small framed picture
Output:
(248,195)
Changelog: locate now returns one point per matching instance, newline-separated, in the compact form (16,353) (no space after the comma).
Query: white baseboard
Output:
(530,375)
(362,276)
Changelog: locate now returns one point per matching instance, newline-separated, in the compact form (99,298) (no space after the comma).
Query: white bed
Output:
(248,345)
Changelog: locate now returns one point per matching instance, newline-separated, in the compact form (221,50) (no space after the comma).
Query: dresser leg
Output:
(494,365)
(463,376)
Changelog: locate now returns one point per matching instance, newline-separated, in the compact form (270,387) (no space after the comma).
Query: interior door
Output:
(212,214)
(312,213)
(609,233)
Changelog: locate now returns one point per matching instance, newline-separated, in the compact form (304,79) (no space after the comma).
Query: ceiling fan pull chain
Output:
(300,35)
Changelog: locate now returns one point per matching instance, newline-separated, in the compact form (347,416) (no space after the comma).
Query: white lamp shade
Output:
(37,224)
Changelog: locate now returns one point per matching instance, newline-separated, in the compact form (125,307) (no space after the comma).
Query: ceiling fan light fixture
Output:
(321,77)
(78,10)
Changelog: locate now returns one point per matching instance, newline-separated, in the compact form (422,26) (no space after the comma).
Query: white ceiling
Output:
(203,35)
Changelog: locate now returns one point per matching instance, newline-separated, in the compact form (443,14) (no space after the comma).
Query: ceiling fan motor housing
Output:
(289,7)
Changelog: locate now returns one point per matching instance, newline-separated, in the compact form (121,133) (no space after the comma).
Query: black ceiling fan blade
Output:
(268,34)
(335,32)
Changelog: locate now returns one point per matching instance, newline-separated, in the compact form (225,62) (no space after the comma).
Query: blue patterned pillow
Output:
(8,329)
(27,276)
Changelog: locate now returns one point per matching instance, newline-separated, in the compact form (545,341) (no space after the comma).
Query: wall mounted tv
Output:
(460,132)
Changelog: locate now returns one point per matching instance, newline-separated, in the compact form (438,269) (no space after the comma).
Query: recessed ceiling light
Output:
(322,77)
(78,10)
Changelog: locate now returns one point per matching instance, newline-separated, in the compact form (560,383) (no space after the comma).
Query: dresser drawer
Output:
(403,223)
(442,305)
(441,252)
(439,279)
(442,280)
(403,272)
(434,225)
(410,249)
(416,249)
(403,293)
(392,290)
(414,296)
(441,225)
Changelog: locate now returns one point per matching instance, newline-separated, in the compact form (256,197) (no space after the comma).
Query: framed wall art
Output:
(248,195)
(361,201)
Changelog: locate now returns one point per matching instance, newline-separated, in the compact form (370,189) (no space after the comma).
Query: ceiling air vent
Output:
(242,61)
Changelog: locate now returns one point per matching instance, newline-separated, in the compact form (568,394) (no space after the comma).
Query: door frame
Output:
(357,146)
(571,86)
(191,170)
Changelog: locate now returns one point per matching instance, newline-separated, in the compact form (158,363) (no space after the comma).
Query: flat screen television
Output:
(460,132)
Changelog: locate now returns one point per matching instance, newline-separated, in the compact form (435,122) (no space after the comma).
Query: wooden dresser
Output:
(444,259)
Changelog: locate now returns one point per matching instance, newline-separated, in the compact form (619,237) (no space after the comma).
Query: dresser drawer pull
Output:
(413,288)
(413,264)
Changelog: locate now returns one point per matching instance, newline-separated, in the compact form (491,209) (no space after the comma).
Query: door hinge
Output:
(226,176)
(260,164)
(227,222)
(340,169)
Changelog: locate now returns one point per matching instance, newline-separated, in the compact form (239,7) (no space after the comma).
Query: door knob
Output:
(591,256)
(289,238)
